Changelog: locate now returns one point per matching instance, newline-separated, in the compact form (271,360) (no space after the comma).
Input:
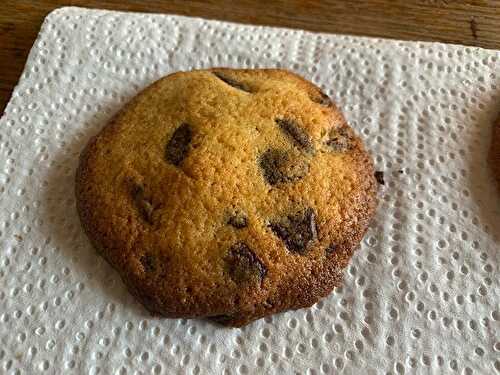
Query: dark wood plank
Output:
(472,22)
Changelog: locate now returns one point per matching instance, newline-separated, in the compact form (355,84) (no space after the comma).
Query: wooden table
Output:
(473,22)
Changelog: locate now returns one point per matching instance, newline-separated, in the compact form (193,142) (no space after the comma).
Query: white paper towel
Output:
(422,294)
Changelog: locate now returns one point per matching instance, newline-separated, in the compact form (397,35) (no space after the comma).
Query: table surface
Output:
(472,22)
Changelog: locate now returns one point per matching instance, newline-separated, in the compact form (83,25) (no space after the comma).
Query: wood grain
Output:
(472,22)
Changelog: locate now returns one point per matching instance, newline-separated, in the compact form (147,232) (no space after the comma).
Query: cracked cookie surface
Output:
(227,194)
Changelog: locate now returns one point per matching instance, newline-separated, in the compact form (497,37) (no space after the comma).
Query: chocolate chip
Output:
(178,145)
(278,167)
(148,262)
(143,203)
(379,176)
(297,230)
(339,140)
(331,248)
(295,133)
(243,265)
(323,99)
(238,220)
(231,82)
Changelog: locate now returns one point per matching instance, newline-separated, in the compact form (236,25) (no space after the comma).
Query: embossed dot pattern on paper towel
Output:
(420,296)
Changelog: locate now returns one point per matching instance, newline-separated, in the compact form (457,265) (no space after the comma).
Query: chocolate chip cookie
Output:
(227,194)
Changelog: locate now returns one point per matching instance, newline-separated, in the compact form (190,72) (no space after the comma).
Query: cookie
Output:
(227,194)
(494,155)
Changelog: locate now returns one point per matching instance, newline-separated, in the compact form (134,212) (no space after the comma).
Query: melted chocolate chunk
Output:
(143,203)
(339,140)
(238,220)
(243,265)
(322,99)
(295,133)
(178,145)
(148,262)
(231,82)
(331,248)
(298,230)
(278,167)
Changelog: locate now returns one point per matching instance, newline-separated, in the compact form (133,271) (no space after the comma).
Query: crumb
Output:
(379,176)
